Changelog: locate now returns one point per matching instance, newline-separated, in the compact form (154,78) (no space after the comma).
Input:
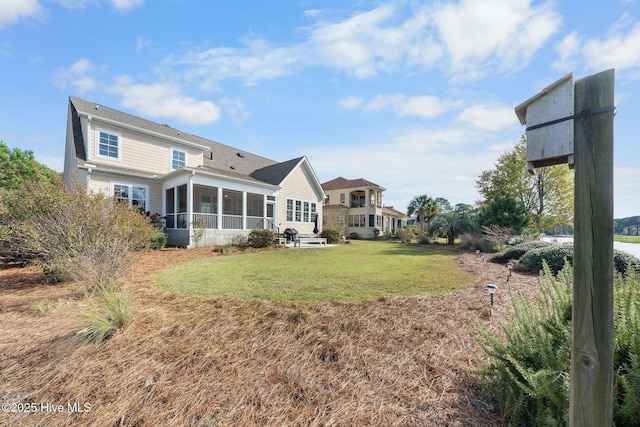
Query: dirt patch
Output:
(191,361)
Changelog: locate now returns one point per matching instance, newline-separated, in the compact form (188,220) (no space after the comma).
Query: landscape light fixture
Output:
(478,252)
(510,267)
(492,290)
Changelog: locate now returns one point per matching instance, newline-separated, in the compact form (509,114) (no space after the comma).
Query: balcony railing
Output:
(205,220)
(210,221)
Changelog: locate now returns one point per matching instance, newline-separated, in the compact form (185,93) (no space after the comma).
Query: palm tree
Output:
(425,209)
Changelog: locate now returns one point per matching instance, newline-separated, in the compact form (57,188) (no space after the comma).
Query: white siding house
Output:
(192,182)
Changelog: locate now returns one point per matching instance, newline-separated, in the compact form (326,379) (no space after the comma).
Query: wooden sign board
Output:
(548,117)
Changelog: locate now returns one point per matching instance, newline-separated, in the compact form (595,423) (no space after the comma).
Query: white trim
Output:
(145,131)
(96,143)
(302,202)
(131,185)
(171,151)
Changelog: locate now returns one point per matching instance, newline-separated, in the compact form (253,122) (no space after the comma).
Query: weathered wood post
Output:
(592,334)
(573,124)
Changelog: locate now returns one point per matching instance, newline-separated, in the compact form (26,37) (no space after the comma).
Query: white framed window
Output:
(301,211)
(108,144)
(343,198)
(178,159)
(134,195)
(289,210)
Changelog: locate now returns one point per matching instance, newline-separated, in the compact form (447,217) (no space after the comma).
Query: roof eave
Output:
(142,130)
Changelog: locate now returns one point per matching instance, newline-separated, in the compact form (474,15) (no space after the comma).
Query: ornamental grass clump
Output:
(525,372)
(110,314)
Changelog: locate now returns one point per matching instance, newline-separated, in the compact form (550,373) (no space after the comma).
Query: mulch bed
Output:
(192,361)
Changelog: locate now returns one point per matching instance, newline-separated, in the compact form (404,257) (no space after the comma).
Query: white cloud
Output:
(78,77)
(126,4)
(258,61)
(235,109)
(489,117)
(433,150)
(350,102)
(618,50)
(166,101)
(567,51)
(12,10)
(121,5)
(465,40)
(481,36)
(424,106)
(142,44)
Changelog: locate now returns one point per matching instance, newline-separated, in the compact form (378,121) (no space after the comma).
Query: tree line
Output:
(514,201)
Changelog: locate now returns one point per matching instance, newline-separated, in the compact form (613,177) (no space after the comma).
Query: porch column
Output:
(264,211)
(244,210)
(219,208)
(190,207)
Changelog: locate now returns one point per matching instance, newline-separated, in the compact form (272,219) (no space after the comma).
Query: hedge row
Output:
(556,254)
(517,251)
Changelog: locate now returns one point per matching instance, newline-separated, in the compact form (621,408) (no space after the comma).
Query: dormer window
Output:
(108,144)
(178,159)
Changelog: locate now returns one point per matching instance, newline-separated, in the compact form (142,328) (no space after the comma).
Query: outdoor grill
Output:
(290,234)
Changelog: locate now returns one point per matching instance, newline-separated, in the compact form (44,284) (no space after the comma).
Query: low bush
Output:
(526,374)
(158,241)
(623,260)
(72,234)
(332,235)
(354,236)
(260,238)
(405,235)
(475,242)
(423,238)
(556,254)
(517,251)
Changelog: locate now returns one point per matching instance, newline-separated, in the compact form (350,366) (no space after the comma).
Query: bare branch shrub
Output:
(496,234)
(87,237)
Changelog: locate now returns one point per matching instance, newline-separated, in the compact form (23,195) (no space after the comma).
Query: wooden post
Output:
(591,401)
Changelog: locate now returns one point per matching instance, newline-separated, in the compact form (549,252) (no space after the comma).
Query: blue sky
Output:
(416,96)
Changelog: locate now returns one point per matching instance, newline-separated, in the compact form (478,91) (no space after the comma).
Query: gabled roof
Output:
(275,174)
(218,158)
(391,211)
(343,183)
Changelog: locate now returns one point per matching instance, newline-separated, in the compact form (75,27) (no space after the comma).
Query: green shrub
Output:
(476,241)
(555,254)
(376,232)
(423,238)
(332,235)
(229,248)
(158,241)
(517,251)
(240,241)
(526,375)
(260,238)
(405,235)
(72,234)
(354,236)
(622,260)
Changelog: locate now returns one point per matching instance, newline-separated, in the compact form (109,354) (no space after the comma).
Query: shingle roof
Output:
(340,183)
(275,174)
(392,211)
(220,158)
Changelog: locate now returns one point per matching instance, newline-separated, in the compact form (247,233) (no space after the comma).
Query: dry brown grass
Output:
(192,362)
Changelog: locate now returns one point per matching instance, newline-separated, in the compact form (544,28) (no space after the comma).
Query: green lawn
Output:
(361,270)
(626,239)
